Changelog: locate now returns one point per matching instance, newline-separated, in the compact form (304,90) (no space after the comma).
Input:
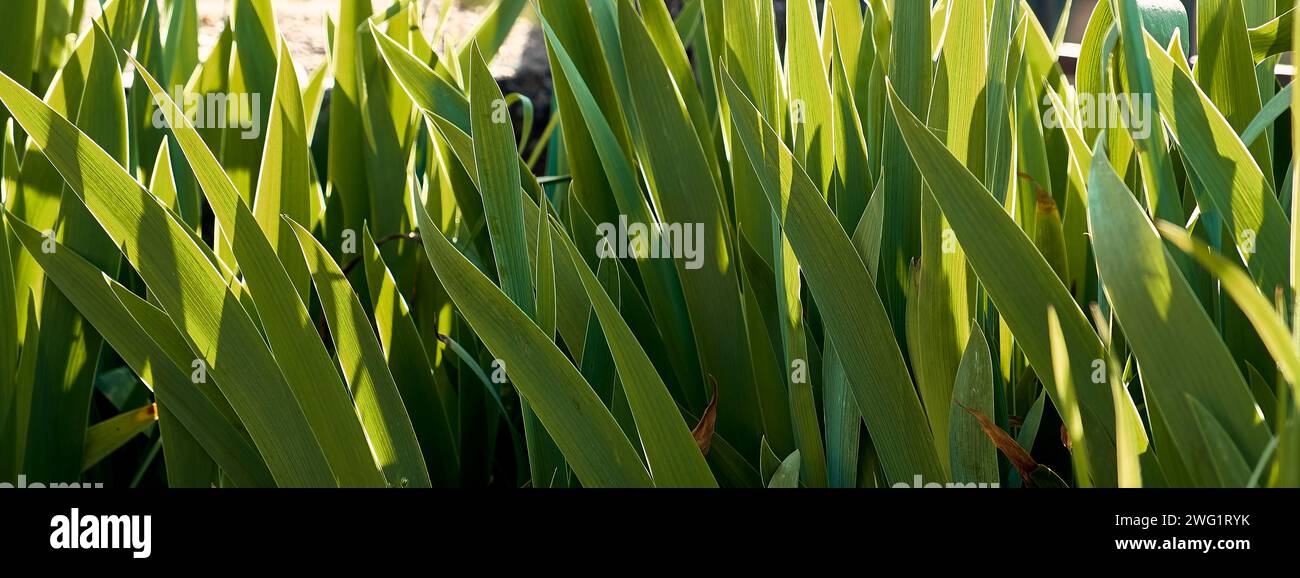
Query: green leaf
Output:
(162,181)
(972,457)
(659,25)
(10,343)
(188,464)
(388,125)
(811,105)
(1225,70)
(1272,37)
(1237,284)
(18,415)
(1130,443)
(853,180)
(1003,16)
(188,287)
(68,351)
(427,90)
(843,423)
(849,25)
(148,342)
(122,20)
(284,186)
(313,98)
(145,137)
(565,25)
(1162,193)
(1049,236)
(54,31)
(1177,346)
(1031,421)
(1232,183)
(1018,280)
(674,457)
(384,417)
(347,169)
(812,119)
(252,75)
(787,476)
(575,418)
(769,373)
(21,32)
(1232,468)
(1067,401)
(740,26)
(497,160)
(1280,103)
(866,237)
(472,364)
(429,401)
(493,30)
(106,437)
(839,281)
(909,69)
(1074,218)
(297,347)
(1288,471)
(662,286)
(1265,397)
(212,78)
(182,43)
(687,195)
(944,293)
(768,462)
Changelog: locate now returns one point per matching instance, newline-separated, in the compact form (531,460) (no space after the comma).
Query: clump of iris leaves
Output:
(923,260)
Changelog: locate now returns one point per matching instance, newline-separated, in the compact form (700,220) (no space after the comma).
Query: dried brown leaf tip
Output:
(1046,204)
(703,432)
(1033,474)
(1005,444)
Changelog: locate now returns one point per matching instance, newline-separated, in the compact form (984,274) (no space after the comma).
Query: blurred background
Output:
(521,64)
(303,24)
(1050,11)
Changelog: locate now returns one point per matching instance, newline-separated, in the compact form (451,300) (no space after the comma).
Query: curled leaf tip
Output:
(703,431)
(1004,442)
